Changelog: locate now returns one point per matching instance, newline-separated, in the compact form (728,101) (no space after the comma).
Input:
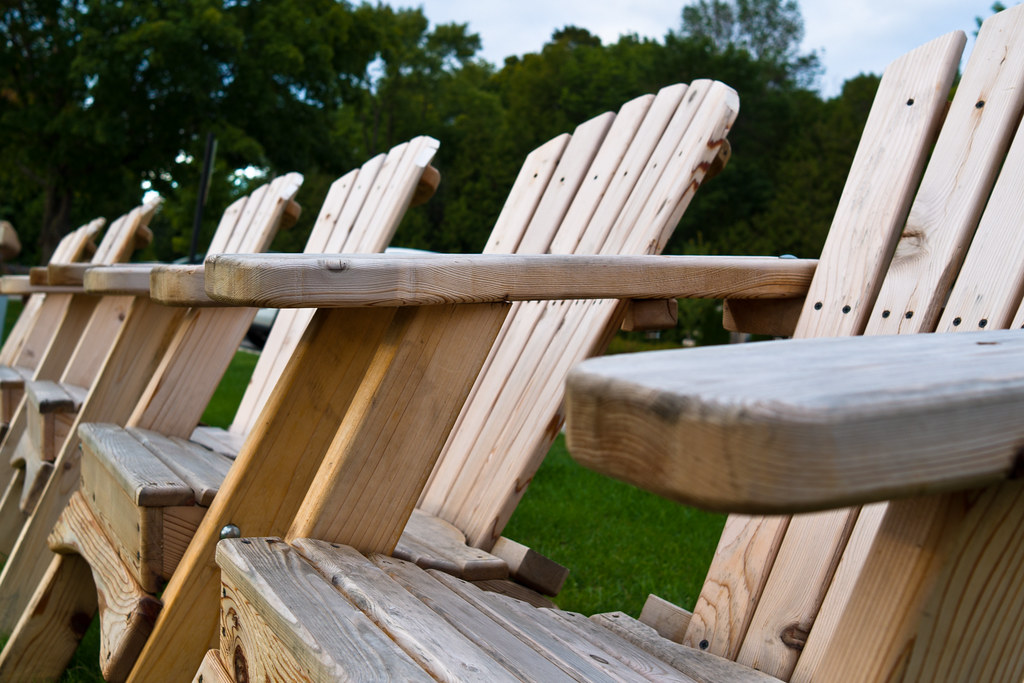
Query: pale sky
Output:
(852,37)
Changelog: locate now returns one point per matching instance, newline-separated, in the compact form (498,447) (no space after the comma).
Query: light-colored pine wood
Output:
(548,629)
(431,542)
(212,670)
(668,620)
(770,317)
(514,590)
(280,620)
(123,279)
(227,443)
(40,647)
(126,611)
(68,274)
(301,418)
(902,126)
(499,643)
(647,315)
(431,641)
(72,247)
(700,666)
(530,568)
(729,408)
(432,347)
(201,469)
(10,245)
(132,359)
(975,137)
(289,281)
(490,477)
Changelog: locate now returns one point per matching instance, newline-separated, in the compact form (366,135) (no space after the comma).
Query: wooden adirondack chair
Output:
(76,245)
(58,316)
(362,211)
(926,587)
(559,189)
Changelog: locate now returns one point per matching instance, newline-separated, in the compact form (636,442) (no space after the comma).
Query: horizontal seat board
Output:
(53,397)
(427,637)
(317,625)
(431,542)
(221,440)
(301,280)
(202,469)
(804,424)
(147,480)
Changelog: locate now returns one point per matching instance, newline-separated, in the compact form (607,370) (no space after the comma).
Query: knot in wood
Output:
(794,636)
(241,669)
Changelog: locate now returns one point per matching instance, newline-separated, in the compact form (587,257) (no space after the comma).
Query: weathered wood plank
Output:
(431,542)
(530,568)
(649,421)
(500,643)
(703,667)
(201,469)
(430,640)
(281,620)
(146,480)
(299,280)
(668,620)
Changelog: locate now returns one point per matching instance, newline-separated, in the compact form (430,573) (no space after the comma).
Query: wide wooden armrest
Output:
(180,286)
(131,279)
(791,426)
(326,281)
(17,285)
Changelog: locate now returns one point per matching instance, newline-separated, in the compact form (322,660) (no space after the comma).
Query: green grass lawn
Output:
(620,543)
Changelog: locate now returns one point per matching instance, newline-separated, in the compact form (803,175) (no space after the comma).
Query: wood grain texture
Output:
(669,621)
(502,645)
(433,543)
(902,126)
(201,469)
(132,359)
(850,440)
(430,640)
(530,568)
(127,612)
(770,317)
(281,620)
(123,279)
(43,641)
(285,281)
(699,666)
(301,418)
(423,371)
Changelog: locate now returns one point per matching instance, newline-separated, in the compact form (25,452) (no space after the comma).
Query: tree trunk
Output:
(56,220)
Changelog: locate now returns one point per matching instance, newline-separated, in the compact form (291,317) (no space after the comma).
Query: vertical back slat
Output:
(897,138)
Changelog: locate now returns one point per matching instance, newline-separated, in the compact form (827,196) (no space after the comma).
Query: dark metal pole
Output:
(204,186)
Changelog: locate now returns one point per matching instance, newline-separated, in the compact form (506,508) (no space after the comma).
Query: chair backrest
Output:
(122,237)
(780,594)
(360,214)
(75,246)
(618,185)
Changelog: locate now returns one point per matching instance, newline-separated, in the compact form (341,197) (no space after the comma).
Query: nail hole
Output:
(956,322)
(704,644)
(817,306)
(910,102)
(886,314)
(910,314)
(980,104)
(846,309)
(983,322)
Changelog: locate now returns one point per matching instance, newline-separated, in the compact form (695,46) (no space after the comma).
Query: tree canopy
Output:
(100,98)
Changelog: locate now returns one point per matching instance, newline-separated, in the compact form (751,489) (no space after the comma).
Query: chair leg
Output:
(50,629)
(11,516)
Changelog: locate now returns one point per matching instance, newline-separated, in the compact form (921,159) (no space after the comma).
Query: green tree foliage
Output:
(97,96)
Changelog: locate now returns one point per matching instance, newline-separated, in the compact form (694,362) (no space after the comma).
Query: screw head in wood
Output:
(230,531)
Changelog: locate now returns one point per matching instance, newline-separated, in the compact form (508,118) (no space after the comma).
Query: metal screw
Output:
(230,531)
